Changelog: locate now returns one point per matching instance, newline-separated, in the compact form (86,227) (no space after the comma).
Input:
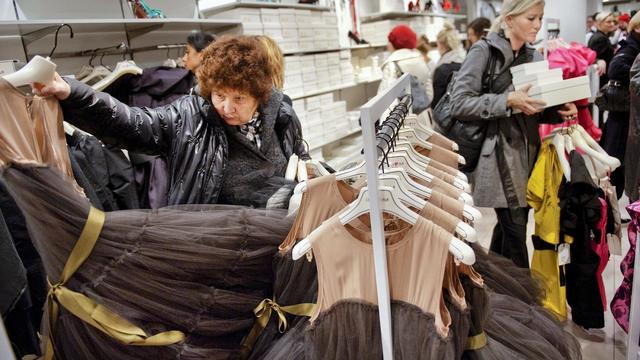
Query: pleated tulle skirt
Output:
(200,269)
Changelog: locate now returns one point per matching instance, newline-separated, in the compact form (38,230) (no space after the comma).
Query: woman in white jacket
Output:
(403,59)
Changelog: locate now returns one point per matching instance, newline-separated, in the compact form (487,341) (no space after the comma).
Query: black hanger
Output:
(55,40)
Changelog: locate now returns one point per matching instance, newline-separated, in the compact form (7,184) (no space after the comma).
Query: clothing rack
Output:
(120,49)
(369,114)
(387,131)
(633,348)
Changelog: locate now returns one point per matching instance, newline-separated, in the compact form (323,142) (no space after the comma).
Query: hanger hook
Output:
(102,58)
(55,39)
(93,56)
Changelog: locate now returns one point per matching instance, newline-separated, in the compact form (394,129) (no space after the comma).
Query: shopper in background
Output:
(425,47)
(230,145)
(196,42)
(621,32)
(403,59)
(452,55)
(616,128)
(600,43)
(510,147)
(276,62)
(632,156)
(477,29)
(591,27)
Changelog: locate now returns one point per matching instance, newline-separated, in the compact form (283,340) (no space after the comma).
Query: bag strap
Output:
(399,71)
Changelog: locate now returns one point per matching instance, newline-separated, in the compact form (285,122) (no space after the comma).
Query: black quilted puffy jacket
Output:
(189,132)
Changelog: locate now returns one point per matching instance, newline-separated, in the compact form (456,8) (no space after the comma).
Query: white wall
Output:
(572,15)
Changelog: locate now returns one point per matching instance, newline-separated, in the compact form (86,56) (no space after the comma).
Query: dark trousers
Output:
(614,142)
(510,235)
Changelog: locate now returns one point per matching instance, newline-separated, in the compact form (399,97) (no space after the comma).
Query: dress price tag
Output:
(564,254)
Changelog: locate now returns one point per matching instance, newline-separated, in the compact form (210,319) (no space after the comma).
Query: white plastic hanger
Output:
(85,70)
(302,174)
(38,70)
(292,168)
(389,204)
(317,167)
(410,135)
(580,142)
(405,145)
(99,72)
(122,68)
(559,144)
(396,182)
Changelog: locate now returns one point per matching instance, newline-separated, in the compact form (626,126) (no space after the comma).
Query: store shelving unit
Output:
(207,7)
(333,88)
(405,14)
(33,30)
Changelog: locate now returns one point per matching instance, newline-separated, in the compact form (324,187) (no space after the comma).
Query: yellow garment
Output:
(545,264)
(542,193)
(542,196)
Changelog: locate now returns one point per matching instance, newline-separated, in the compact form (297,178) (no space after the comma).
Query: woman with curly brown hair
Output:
(229,145)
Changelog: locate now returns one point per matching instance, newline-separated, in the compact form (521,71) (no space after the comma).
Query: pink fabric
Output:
(601,248)
(574,61)
(621,303)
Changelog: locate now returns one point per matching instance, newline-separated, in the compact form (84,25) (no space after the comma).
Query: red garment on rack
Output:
(574,62)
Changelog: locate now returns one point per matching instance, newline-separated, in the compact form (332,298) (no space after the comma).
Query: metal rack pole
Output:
(369,113)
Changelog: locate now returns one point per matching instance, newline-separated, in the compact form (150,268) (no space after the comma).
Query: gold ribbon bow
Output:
(476,342)
(87,309)
(263,314)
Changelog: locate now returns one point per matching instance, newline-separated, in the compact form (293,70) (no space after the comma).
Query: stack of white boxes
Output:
(323,119)
(305,74)
(294,30)
(548,85)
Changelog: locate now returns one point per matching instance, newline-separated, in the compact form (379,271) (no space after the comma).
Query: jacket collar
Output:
(402,54)
(453,56)
(499,41)
(633,39)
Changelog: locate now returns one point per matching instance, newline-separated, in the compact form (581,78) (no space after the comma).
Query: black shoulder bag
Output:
(469,135)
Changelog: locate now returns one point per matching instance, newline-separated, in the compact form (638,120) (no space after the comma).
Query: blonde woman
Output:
(510,147)
(452,55)
(276,62)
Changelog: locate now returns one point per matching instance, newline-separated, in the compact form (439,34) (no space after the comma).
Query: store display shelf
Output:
(135,27)
(317,51)
(404,14)
(368,46)
(213,6)
(332,140)
(332,89)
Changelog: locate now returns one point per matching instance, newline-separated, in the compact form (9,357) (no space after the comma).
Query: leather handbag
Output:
(613,96)
(469,135)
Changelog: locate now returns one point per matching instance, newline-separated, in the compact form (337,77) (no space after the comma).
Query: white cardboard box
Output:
(268,11)
(252,29)
(305,32)
(241,14)
(309,76)
(289,45)
(290,33)
(529,68)
(562,91)
(544,77)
